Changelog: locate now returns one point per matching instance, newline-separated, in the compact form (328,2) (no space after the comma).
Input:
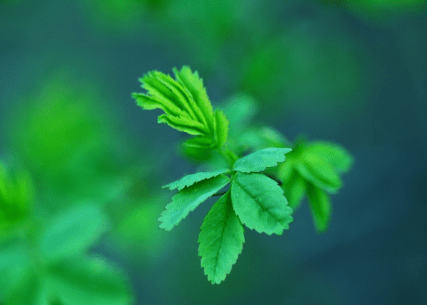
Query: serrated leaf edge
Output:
(238,253)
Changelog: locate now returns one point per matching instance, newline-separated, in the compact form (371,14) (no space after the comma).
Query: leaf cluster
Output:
(186,105)
(253,200)
(313,170)
(254,168)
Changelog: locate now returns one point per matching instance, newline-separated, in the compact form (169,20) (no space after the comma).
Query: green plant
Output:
(255,198)
(46,261)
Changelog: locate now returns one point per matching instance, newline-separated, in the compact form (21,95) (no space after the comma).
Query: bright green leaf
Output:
(201,142)
(183,124)
(260,160)
(174,91)
(260,204)
(221,240)
(149,103)
(82,281)
(334,154)
(320,207)
(184,101)
(189,180)
(194,84)
(319,172)
(188,199)
(72,232)
(186,105)
(221,128)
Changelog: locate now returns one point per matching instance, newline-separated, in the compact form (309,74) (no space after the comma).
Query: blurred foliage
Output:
(304,65)
(62,136)
(44,261)
(16,199)
(280,60)
(67,139)
(314,169)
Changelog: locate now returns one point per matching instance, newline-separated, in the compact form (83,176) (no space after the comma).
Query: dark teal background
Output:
(356,76)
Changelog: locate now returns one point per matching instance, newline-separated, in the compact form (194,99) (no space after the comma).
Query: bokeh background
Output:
(351,72)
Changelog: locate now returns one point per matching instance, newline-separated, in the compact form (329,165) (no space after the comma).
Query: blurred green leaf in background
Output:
(69,140)
(45,261)
(16,200)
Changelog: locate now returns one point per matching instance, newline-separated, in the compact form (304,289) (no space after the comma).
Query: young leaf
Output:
(260,160)
(319,172)
(73,232)
(260,204)
(221,240)
(185,103)
(189,180)
(188,199)
(194,84)
(181,100)
(334,154)
(221,128)
(320,207)
(88,281)
(183,124)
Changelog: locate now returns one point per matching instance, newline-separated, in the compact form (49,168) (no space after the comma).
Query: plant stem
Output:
(229,156)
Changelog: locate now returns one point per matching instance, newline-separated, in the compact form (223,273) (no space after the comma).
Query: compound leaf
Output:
(184,101)
(319,172)
(261,159)
(88,281)
(188,199)
(189,180)
(221,240)
(73,232)
(260,204)
(320,206)
(334,154)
